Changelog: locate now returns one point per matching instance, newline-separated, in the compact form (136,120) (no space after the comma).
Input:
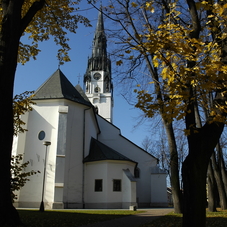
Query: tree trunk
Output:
(7,210)
(12,27)
(211,189)
(220,185)
(174,168)
(9,42)
(194,180)
(221,165)
(194,171)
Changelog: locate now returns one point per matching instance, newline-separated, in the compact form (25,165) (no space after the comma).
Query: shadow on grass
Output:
(216,219)
(34,218)
(76,218)
(170,220)
(216,222)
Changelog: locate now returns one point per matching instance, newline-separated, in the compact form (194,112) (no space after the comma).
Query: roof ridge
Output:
(57,86)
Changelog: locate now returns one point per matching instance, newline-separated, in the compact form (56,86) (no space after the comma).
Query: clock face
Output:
(97,76)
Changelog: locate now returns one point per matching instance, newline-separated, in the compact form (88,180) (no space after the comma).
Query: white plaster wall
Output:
(158,194)
(91,130)
(104,103)
(45,116)
(105,106)
(41,118)
(73,163)
(115,171)
(128,191)
(76,145)
(107,171)
(19,147)
(19,141)
(111,136)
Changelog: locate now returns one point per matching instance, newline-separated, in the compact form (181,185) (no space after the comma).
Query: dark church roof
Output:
(59,87)
(99,151)
(81,91)
(99,59)
(99,42)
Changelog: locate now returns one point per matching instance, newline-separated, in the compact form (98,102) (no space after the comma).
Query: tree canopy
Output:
(56,18)
(184,47)
(185,60)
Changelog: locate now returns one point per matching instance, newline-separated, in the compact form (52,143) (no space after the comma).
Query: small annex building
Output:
(89,164)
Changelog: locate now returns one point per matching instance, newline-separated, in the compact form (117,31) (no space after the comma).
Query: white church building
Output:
(88,164)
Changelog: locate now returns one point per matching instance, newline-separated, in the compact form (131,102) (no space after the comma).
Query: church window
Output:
(97,89)
(137,173)
(107,88)
(41,135)
(98,185)
(116,185)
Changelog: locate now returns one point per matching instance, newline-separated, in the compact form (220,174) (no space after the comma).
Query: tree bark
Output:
(221,164)
(9,42)
(194,171)
(194,180)
(174,168)
(220,185)
(174,165)
(212,204)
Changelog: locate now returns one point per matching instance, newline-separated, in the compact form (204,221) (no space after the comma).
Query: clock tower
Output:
(97,79)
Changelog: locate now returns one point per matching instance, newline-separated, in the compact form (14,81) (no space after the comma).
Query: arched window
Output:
(97,89)
(137,172)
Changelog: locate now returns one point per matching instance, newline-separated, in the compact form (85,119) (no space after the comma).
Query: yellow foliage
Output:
(128,51)
(134,4)
(21,104)
(53,20)
(184,61)
(120,62)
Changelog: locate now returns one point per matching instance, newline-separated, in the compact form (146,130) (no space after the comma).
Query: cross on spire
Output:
(79,78)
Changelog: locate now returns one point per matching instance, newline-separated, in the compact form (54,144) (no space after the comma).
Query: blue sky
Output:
(30,76)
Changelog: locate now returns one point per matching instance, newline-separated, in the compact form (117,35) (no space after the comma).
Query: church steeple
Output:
(99,43)
(99,59)
(97,79)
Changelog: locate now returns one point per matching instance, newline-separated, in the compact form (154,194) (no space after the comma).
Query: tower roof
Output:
(99,43)
(99,60)
(58,87)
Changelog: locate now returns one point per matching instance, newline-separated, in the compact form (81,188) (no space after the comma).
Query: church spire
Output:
(99,59)
(97,79)
(99,43)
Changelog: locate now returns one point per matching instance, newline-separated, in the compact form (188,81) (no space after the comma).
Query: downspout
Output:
(83,180)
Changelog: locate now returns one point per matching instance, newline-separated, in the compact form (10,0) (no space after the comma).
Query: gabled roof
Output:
(59,87)
(81,91)
(99,151)
(127,138)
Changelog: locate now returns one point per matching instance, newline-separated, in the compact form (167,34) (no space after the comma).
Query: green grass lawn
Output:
(68,218)
(73,218)
(214,219)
